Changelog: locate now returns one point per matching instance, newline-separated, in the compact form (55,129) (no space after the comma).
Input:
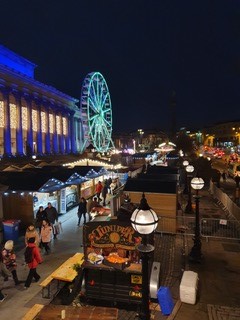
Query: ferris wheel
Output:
(96,112)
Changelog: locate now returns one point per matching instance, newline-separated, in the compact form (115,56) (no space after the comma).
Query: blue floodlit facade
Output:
(34,118)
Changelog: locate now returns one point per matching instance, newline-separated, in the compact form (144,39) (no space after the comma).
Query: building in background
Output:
(34,118)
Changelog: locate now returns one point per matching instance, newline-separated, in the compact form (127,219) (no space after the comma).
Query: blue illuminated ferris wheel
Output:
(96,111)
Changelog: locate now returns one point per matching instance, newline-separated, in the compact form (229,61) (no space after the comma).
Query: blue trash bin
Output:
(165,300)
(11,230)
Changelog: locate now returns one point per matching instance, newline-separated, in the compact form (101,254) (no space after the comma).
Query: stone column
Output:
(55,137)
(19,131)
(47,137)
(67,137)
(72,134)
(39,126)
(7,129)
(30,131)
(61,147)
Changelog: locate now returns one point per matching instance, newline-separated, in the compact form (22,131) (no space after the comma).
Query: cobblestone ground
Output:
(168,251)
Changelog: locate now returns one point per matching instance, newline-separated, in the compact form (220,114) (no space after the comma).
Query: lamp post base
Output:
(195,254)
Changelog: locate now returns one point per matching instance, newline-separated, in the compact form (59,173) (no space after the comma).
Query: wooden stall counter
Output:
(53,312)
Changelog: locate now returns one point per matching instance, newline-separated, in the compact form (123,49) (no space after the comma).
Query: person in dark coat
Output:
(82,210)
(104,192)
(40,216)
(52,216)
(237,180)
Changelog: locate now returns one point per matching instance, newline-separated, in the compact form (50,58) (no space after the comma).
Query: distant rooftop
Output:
(15,62)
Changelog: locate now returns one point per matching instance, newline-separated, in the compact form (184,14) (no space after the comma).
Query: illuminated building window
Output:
(13,116)
(1,114)
(24,118)
(34,120)
(43,121)
(51,123)
(58,124)
(64,122)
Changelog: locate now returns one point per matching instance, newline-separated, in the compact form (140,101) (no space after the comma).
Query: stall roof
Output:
(29,181)
(48,178)
(154,186)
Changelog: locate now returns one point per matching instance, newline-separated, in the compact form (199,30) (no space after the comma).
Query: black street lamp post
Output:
(144,220)
(195,253)
(189,170)
(185,164)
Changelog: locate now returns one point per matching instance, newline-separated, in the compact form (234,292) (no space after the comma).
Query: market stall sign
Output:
(113,235)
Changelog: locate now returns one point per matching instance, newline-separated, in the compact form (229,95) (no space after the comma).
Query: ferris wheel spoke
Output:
(93,105)
(95,95)
(101,93)
(104,100)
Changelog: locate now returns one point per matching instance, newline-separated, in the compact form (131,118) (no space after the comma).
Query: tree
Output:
(184,143)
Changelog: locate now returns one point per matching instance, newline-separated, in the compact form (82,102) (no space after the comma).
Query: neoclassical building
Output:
(34,118)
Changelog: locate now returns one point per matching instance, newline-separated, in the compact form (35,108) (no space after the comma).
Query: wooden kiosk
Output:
(112,264)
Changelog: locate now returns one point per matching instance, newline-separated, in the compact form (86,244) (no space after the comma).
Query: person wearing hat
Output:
(5,273)
(9,259)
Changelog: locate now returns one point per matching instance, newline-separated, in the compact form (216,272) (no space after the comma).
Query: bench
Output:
(45,284)
(33,312)
(64,273)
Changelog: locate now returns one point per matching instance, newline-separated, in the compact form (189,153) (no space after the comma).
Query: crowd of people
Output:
(39,234)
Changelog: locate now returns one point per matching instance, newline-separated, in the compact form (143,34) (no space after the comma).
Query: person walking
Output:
(52,217)
(9,259)
(32,232)
(98,190)
(4,274)
(40,216)
(104,192)
(36,259)
(46,235)
(82,210)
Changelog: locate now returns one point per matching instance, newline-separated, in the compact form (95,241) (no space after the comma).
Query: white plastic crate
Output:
(188,287)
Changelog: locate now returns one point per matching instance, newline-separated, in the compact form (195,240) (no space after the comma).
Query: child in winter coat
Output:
(9,259)
(31,232)
(36,259)
(46,235)
(4,273)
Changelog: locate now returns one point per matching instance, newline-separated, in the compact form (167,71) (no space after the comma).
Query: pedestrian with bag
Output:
(32,259)
(9,259)
(52,217)
(46,235)
(82,210)
(4,274)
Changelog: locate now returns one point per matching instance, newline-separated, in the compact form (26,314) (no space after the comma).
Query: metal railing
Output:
(209,227)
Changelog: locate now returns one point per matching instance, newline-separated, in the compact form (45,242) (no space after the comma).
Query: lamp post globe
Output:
(195,253)
(144,220)
(185,163)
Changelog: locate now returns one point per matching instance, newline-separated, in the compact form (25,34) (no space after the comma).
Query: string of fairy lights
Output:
(60,121)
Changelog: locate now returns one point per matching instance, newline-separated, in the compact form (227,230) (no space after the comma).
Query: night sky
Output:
(145,49)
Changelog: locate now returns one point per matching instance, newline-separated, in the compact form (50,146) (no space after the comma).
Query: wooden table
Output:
(53,312)
(66,272)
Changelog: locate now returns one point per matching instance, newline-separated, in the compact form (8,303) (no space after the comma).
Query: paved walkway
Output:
(219,281)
